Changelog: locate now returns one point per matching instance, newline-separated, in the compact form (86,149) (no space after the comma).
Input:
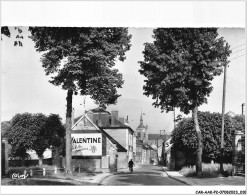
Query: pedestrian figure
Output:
(131,164)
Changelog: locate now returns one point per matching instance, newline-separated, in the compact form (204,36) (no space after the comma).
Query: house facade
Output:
(92,148)
(116,129)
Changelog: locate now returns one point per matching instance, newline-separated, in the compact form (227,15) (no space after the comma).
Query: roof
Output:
(117,127)
(154,136)
(77,118)
(120,148)
(95,110)
(99,110)
(158,136)
(147,147)
(141,126)
(121,124)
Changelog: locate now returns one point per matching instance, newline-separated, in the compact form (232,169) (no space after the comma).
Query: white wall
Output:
(122,161)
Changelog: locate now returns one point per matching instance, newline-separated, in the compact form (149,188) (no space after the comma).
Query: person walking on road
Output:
(131,164)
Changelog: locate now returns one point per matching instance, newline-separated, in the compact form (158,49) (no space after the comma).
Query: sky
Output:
(25,87)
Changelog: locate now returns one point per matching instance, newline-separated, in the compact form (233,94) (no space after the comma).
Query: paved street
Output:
(144,175)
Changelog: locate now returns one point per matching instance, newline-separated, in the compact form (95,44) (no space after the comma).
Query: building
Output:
(117,129)
(146,152)
(155,141)
(92,148)
(166,153)
(142,131)
(139,151)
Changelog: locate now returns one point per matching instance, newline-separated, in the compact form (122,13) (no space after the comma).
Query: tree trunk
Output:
(68,158)
(40,160)
(199,142)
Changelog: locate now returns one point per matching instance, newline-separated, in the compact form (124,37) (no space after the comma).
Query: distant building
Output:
(139,151)
(142,131)
(146,152)
(155,141)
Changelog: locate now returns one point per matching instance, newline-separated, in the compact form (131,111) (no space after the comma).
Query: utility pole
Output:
(243,104)
(223,120)
(174,116)
(157,151)
(162,135)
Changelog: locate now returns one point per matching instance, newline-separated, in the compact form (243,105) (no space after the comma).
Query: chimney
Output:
(114,118)
(127,121)
(100,124)
(121,119)
(90,115)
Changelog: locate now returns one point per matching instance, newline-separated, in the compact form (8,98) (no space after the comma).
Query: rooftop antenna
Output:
(84,104)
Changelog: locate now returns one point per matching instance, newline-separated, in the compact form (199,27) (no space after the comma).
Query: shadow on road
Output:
(144,178)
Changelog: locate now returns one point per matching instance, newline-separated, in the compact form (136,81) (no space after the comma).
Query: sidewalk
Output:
(231,180)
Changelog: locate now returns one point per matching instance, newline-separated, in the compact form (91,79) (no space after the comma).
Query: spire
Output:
(141,120)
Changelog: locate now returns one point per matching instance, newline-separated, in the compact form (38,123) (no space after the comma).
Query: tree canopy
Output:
(5,31)
(18,39)
(184,136)
(82,59)
(5,126)
(34,132)
(180,65)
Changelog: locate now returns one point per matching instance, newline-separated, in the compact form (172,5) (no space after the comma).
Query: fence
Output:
(16,173)
(37,171)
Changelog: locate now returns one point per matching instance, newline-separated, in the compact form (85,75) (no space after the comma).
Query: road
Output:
(144,175)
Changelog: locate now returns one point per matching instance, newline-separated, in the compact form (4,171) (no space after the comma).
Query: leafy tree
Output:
(5,31)
(34,132)
(239,123)
(81,60)
(184,136)
(5,126)
(179,66)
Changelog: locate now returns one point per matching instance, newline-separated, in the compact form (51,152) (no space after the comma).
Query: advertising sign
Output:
(168,144)
(86,144)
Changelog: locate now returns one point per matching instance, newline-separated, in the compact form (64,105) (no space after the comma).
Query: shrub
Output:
(185,139)
(208,170)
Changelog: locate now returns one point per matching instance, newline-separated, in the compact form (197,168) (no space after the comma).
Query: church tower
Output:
(142,131)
